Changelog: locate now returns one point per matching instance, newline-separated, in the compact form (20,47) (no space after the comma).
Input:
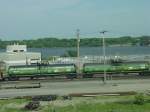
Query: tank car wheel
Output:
(31,78)
(4,79)
(70,76)
(13,78)
(88,76)
(10,78)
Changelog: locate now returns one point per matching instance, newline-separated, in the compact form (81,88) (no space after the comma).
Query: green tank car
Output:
(71,71)
(58,69)
(68,70)
(28,70)
(98,68)
(116,68)
(134,67)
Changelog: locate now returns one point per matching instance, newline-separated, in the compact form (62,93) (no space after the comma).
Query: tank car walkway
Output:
(70,87)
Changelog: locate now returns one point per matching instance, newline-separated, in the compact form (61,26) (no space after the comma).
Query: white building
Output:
(16,48)
(18,55)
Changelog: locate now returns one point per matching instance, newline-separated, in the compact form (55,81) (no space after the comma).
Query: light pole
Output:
(78,43)
(78,49)
(104,55)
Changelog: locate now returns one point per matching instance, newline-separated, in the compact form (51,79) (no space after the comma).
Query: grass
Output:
(96,104)
(98,107)
(12,105)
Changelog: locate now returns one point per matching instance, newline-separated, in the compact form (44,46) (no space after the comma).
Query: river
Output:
(92,51)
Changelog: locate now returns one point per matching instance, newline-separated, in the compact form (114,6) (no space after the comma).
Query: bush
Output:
(139,99)
(32,105)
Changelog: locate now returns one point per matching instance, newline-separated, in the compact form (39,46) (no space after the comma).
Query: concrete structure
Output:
(18,55)
(16,48)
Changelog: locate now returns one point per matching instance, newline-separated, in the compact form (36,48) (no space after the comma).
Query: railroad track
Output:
(62,79)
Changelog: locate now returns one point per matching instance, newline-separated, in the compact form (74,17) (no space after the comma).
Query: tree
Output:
(70,53)
(144,40)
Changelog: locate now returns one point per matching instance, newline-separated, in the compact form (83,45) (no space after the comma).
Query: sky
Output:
(31,19)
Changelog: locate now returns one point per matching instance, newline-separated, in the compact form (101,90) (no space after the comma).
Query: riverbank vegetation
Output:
(131,103)
(84,42)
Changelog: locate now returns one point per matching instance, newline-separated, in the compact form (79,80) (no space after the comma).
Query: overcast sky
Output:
(27,19)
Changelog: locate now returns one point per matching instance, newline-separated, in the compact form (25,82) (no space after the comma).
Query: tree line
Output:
(84,42)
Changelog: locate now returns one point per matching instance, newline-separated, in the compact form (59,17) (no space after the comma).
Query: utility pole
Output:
(78,49)
(104,55)
(78,43)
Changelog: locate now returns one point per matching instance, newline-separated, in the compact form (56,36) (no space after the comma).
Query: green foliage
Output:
(144,41)
(84,42)
(139,99)
(70,53)
(96,104)
(98,107)
(12,105)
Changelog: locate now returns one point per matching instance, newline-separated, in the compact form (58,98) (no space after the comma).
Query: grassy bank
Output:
(12,105)
(97,107)
(96,104)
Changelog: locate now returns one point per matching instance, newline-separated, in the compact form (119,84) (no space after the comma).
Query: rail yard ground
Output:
(13,89)
(101,98)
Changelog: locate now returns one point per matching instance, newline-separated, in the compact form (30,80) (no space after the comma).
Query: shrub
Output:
(139,99)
